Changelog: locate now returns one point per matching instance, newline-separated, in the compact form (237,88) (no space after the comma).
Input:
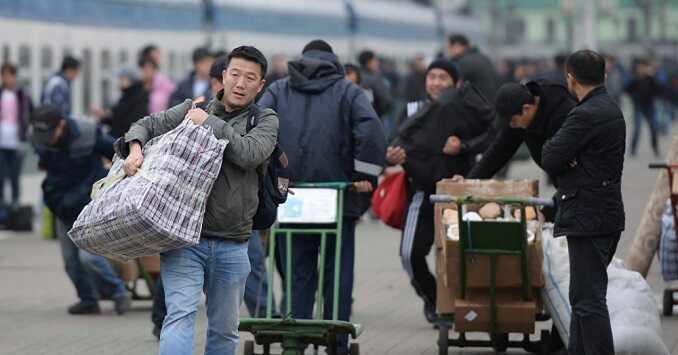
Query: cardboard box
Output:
(508,267)
(512,316)
(126,270)
(445,294)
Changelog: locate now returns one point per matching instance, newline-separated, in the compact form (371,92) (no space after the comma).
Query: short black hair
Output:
(8,68)
(510,99)
(69,62)
(251,54)
(218,67)
(352,68)
(365,56)
(587,67)
(145,52)
(317,44)
(201,53)
(458,38)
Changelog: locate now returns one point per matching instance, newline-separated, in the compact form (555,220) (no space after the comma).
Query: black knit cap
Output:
(319,45)
(510,99)
(447,66)
(251,54)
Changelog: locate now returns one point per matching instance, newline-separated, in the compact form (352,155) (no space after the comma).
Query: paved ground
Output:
(34,292)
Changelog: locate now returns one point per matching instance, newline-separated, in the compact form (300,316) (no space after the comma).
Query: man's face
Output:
(8,79)
(71,74)
(437,80)
(525,118)
(455,50)
(242,82)
(202,67)
(373,65)
(353,77)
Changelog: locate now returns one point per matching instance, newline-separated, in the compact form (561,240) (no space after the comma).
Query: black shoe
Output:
(156,332)
(430,314)
(122,304)
(84,308)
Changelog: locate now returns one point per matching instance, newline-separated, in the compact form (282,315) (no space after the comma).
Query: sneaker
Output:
(430,314)
(122,304)
(84,308)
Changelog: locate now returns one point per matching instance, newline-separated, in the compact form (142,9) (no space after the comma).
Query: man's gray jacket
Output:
(234,197)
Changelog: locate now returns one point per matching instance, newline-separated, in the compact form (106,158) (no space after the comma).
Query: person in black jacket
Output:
(132,106)
(586,158)
(535,111)
(436,139)
(473,65)
(197,83)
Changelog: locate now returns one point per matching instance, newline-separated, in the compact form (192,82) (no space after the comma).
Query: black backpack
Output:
(270,193)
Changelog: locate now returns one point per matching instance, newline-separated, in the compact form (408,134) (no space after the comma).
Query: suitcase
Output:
(20,219)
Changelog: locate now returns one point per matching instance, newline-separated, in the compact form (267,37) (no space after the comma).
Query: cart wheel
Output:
(545,342)
(668,302)
(355,349)
(248,348)
(443,338)
(501,341)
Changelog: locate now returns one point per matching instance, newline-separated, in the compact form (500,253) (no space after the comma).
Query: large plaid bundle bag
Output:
(162,206)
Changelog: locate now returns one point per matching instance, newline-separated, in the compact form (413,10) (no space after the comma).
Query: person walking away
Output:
(330,132)
(644,91)
(57,90)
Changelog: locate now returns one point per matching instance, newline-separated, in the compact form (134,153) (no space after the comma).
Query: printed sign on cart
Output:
(309,206)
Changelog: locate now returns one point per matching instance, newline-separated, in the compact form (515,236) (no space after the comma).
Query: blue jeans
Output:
(305,253)
(10,169)
(648,114)
(217,267)
(91,274)
(256,287)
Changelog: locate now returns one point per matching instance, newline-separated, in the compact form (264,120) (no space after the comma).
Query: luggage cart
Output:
(319,205)
(493,239)
(668,300)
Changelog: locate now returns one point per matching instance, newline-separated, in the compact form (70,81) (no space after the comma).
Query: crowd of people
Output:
(451,117)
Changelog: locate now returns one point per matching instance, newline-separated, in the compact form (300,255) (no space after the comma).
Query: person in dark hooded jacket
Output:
(132,106)
(437,138)
(330,132)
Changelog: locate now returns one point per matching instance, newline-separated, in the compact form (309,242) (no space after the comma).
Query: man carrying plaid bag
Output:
(219,264)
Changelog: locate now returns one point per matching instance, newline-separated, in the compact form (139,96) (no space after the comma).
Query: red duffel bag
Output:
(389,200)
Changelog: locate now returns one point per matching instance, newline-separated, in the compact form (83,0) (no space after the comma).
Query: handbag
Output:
(389,200)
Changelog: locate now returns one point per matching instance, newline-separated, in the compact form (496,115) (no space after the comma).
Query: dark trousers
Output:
(648,114)
(416,243)
(305,255)
(10,169)
(590,330)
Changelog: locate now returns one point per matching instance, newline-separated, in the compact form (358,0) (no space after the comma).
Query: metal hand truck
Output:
(319,205)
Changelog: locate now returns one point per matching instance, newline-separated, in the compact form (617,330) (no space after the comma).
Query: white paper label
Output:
(471,316)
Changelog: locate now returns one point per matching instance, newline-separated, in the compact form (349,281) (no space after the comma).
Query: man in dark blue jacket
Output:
(330,133)
(70,151)
(197,83)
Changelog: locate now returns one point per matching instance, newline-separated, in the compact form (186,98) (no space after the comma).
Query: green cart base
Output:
(294,335)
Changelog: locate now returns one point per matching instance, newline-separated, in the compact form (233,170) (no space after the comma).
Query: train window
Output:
(5,53)
(24,56)
(86,69)
(550,30)
(106,74)
(632,29)
(68,51)
(123,58)
(46,58)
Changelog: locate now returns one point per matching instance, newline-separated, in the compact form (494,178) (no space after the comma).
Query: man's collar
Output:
(598,90)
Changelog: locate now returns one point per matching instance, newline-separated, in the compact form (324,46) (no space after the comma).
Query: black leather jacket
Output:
(589,200)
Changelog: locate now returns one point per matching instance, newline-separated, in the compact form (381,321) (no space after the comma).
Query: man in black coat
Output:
(586,158)
(474,65)
(534,112)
